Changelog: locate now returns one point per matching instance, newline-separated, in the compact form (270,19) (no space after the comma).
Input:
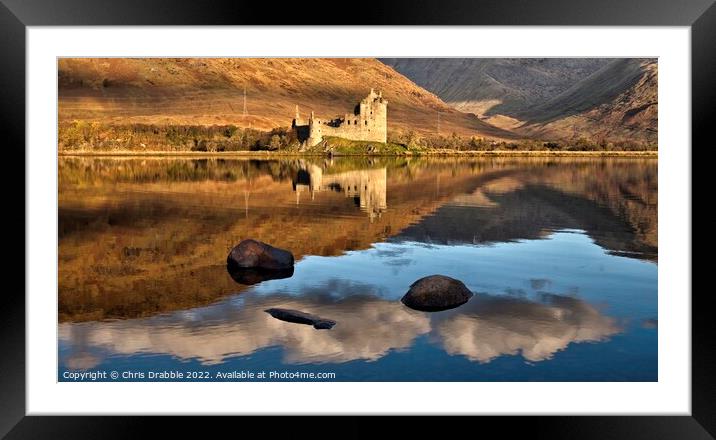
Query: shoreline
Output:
(443,153)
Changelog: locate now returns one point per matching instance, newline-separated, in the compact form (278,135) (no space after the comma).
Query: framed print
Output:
(455,209)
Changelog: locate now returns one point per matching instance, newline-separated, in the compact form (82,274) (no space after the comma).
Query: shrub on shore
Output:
(88,136)
(92,136)
(475,143)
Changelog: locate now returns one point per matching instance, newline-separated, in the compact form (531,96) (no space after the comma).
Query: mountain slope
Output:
(491,86)
(596,98)
(620,101)
(206,91)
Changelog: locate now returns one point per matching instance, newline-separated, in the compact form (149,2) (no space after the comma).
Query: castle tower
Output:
(377,114)
(315,134)
(297,120)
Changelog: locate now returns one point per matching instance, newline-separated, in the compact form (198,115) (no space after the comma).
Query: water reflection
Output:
(368,328)
(367,188)
(527,212)
(132,230)
(561,253)
(249,277)
(491,326)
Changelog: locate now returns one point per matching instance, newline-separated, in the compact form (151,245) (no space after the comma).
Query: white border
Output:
(670,395)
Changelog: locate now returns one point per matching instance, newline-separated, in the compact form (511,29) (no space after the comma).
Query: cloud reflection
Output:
(368,327)
(491,326)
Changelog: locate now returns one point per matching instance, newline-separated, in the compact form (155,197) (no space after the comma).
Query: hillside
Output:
(551,98)
(210,91)
(619,101)
(496,86)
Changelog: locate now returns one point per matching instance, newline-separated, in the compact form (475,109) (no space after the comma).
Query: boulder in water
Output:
(253,254)
(299,317)
(435,293)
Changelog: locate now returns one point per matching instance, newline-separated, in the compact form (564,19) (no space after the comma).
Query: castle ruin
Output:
(368,122)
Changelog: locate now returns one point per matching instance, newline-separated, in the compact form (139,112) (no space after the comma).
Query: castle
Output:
(368,122)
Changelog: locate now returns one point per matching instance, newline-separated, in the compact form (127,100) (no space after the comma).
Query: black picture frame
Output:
(17,15)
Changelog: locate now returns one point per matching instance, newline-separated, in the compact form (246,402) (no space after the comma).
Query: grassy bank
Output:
(436,152)
(85,138)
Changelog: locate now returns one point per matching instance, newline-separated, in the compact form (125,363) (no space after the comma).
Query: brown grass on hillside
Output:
(210,91)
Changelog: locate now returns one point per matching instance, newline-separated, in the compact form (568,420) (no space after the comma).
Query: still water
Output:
(561,255)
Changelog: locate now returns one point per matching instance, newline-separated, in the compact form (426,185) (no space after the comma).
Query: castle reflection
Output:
(367,187)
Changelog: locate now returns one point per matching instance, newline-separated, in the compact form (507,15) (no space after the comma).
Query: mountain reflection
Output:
(138,237)
(368,327)
(528,212)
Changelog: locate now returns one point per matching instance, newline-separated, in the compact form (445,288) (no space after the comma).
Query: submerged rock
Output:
(299,317)
(436,292)
(252,254)
(254,276)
